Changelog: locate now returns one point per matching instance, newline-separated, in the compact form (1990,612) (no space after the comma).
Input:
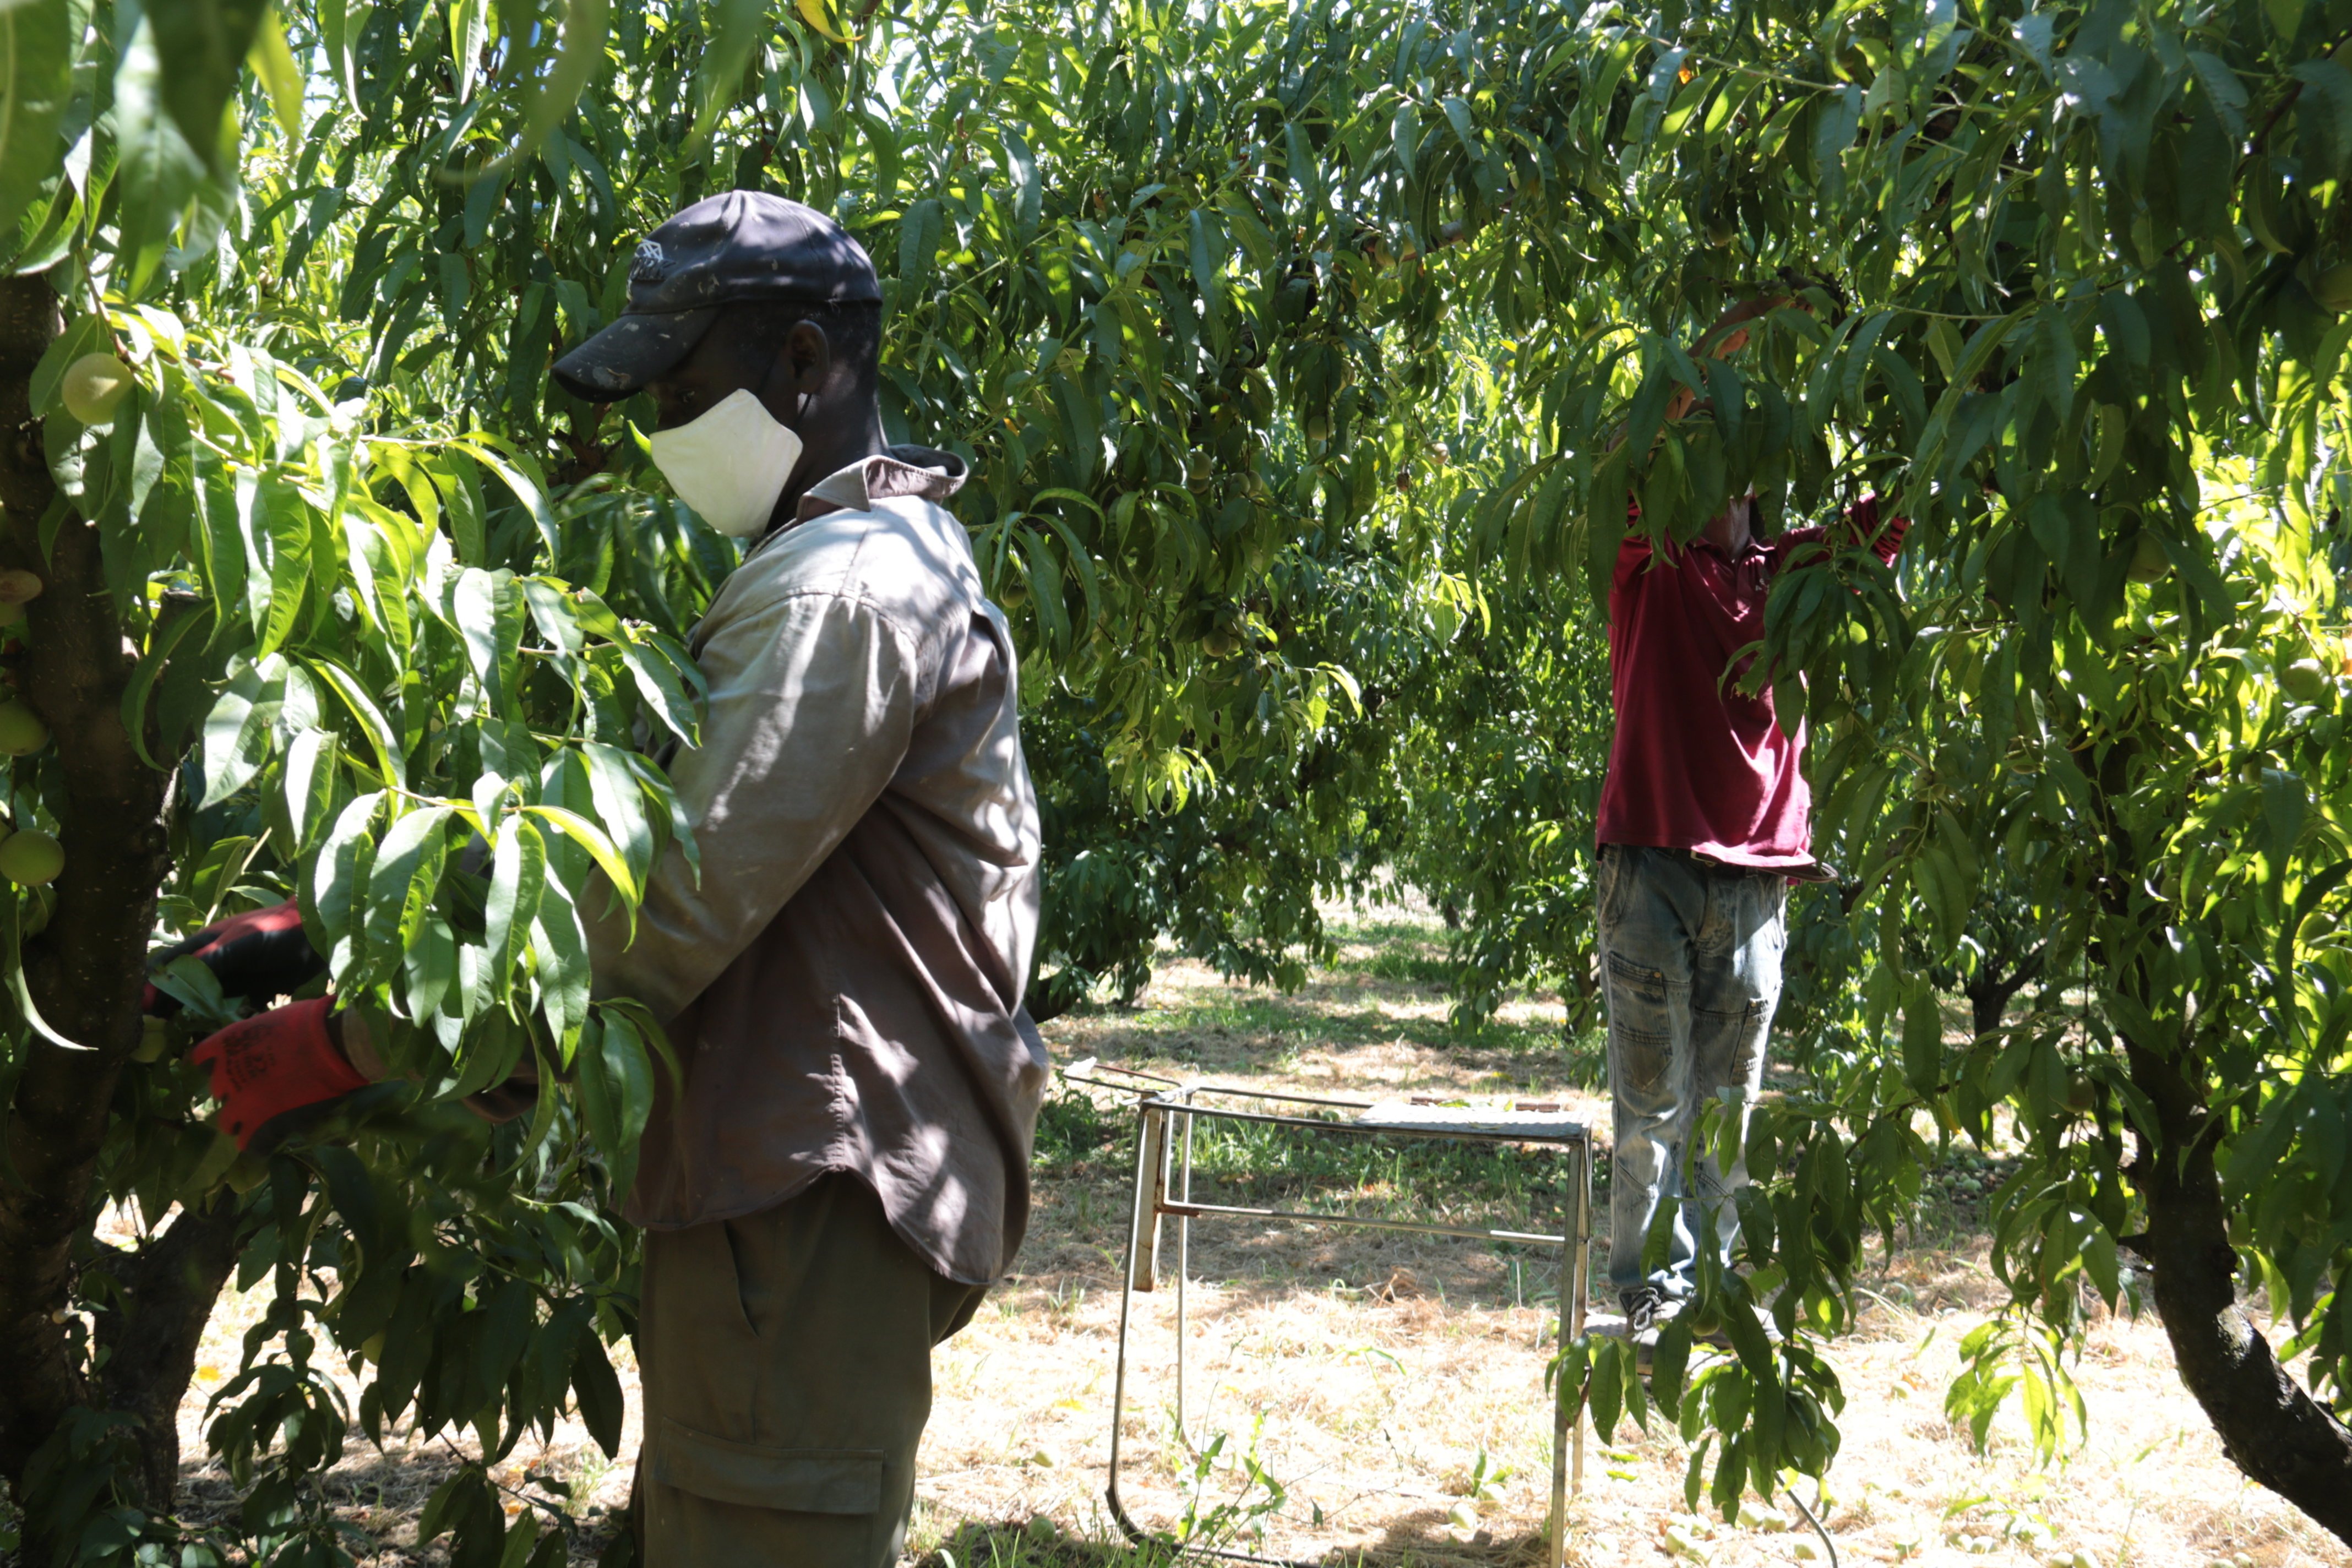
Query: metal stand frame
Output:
(1165,1109)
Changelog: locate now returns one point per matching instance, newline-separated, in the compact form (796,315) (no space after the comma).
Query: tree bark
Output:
(1989,993)
(84,970)
(168,1289)
(2270,1427)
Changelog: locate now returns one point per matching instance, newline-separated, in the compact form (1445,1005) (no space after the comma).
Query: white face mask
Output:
(728,463)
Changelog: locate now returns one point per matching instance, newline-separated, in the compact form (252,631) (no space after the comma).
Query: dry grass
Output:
(1392,1385)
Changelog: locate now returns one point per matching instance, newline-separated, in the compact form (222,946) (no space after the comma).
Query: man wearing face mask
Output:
(846,1168)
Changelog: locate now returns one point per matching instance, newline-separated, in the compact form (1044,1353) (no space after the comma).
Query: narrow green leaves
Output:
(579,54)
(718,77)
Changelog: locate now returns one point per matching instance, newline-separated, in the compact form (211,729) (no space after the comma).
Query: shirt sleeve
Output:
(812,703)
(1862,526)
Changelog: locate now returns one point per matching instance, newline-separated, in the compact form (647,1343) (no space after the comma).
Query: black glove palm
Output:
(258,955)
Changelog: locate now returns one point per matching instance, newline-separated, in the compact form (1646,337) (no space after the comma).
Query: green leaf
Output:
(620,809)
(516,471)
(406,870)
(1923,1038)
(655,673)
(918,242)
(560,947)
(339,879)
(518,879)
(207,42)
(1028,190)
(429,967)
(238,733)
(474,609)
(382,738)
(291,522)
(469,34)
(599,1395)
(37,58)
(273,62)
(156,165)
(2285,800)
(591,838)
(718,75)
(578,55)
(309,782)
(12,957)
(616,1090)
(2054,340)
(168,636)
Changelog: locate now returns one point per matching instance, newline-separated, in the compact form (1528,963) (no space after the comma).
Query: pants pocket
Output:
(1640,1060)
(786,1480)
(1728,1049)
(1605,863)
(1640,1026)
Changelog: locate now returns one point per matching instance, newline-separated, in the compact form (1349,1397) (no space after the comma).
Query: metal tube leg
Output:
(1184,1278)
(1562,1405)
(1143,1173)
(1583,1279)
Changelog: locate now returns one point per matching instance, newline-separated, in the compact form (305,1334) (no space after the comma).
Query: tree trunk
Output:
(85,968)
(1988,994)
(168,1289)
(2271,1428)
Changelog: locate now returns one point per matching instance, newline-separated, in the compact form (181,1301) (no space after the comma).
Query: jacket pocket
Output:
(787,1480)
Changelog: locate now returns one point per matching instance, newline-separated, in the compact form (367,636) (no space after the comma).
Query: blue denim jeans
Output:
(1690,955)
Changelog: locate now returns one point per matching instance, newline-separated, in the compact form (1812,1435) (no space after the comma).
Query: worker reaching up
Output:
(1704,821)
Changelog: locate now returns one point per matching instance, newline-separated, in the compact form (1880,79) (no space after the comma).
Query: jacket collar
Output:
(896,471)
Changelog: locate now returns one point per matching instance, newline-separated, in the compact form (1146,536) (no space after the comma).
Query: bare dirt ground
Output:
(1381,1398)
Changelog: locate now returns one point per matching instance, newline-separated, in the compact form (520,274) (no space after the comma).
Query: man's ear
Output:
(808,356)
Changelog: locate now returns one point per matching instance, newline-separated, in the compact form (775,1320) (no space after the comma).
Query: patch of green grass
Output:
(1263,1028)
(1072,1129)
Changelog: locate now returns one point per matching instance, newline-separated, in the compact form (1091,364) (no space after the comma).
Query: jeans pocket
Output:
(1640,1058)
(1640,1024)
(1615,884)
(1728,1049)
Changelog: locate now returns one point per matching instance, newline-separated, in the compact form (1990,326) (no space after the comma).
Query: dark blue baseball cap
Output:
(740,246)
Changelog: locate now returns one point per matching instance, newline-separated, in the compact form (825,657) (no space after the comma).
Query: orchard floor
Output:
(1391,1387)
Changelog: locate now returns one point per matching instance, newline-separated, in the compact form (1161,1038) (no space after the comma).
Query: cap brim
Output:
(617,362)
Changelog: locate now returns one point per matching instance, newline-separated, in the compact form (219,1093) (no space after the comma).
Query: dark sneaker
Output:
(1647,1309)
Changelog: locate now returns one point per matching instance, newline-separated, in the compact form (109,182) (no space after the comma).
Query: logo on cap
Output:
(650,265)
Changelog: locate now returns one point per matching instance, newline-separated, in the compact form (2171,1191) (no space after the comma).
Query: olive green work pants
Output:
(787,1367)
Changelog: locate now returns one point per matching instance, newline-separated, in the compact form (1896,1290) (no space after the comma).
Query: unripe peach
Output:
(94,386)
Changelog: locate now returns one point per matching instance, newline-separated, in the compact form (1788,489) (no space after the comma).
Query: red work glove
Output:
(258,954)
(273,1065)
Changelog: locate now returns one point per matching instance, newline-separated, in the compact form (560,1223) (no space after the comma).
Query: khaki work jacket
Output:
(843,984)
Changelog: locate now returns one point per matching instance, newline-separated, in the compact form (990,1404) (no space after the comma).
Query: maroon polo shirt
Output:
(1696,763)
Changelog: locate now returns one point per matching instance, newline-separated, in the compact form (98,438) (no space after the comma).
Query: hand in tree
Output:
(258,954)
(273,1066)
